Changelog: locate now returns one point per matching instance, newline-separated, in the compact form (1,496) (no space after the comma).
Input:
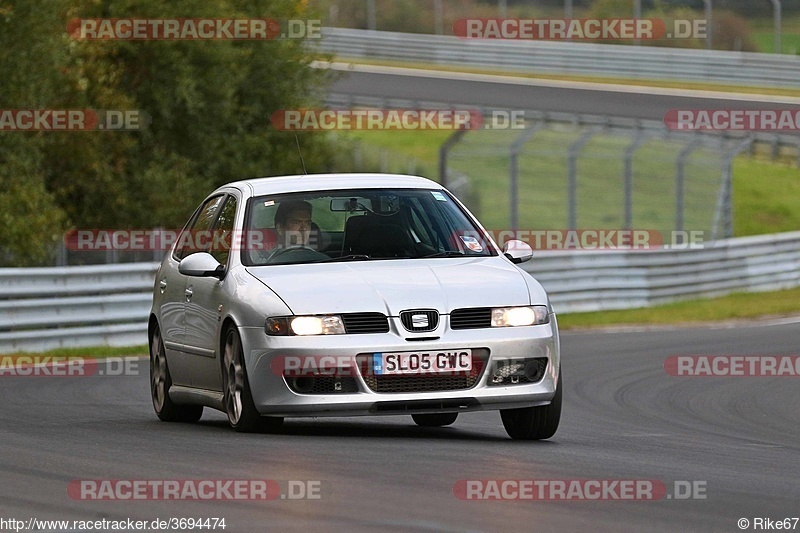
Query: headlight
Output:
(519,316)
(305,325)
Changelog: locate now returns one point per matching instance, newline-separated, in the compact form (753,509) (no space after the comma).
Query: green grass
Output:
(765,40)
(731,307)
(766,197)
(97,352)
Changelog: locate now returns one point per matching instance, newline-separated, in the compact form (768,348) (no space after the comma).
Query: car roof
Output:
(321,182)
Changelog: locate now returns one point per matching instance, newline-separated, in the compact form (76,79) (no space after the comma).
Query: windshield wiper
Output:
(351,257)
(448,253)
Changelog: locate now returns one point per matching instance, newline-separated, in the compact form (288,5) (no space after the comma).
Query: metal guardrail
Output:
(99,305)
(562,58)
(44,308)
(593,281)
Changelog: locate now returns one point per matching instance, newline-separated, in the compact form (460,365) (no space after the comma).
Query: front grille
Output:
(424,383)
(365,323)
(470,318)
(431,319)
(322,384)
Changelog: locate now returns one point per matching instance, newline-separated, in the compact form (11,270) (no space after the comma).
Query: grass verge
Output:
(93,352)
(732,307)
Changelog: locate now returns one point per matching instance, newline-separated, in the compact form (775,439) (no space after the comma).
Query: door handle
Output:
(188,293)
(163,284)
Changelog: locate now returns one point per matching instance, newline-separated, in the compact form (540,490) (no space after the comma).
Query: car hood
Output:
(392,286)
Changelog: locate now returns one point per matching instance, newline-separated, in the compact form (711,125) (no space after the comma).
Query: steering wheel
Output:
(293,249)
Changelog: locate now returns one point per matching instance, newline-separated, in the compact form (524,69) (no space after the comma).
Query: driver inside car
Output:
(293,223)
(293,226)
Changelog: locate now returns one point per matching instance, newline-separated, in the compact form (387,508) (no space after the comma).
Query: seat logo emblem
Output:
(419,321)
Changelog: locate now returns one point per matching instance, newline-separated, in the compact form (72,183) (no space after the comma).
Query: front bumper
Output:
(273,396)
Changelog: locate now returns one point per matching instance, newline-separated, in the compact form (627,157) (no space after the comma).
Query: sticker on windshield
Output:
(439,196)
(471,243)
(269,203)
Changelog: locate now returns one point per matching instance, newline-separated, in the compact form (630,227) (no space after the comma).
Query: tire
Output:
(238,401)
(534,423)
(435,420)
(160,383)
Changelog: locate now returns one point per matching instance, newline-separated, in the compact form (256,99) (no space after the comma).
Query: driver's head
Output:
(293,223)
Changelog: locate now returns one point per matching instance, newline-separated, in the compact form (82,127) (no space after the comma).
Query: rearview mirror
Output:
(201,264)
(348,205)
(517,251)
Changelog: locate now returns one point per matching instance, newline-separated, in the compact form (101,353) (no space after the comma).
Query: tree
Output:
(209,103)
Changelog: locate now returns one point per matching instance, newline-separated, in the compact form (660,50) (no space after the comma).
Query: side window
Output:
(223,231)
(196,237)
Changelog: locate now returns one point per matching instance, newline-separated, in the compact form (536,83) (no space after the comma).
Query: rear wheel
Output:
(534,423)
(160,383)
(435,420)
(239,405)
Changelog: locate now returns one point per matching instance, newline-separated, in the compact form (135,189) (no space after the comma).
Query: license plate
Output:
(434,362)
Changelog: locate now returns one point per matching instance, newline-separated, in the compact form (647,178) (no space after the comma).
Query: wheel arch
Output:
(226,323)
(151,326)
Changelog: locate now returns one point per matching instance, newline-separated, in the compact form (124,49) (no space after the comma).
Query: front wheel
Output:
(239,405)
(435,420)
(160,383)
(534,423)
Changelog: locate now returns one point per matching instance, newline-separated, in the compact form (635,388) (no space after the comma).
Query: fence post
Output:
(572,173)
(371,18)
(158,251)
(384,160)
(680,166)
(61,253)
(513,183)
(728,189)
(776,146)
(777,24)
(451,141)
(638,140)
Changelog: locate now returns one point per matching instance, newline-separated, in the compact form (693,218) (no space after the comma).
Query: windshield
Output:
(359,225)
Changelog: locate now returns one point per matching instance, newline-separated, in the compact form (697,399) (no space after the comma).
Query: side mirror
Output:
(201,264)
(517,251)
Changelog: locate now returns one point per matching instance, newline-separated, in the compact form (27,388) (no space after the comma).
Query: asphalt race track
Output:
(624,418)
(641,104)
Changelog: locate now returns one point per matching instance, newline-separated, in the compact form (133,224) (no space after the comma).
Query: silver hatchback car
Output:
(349,294)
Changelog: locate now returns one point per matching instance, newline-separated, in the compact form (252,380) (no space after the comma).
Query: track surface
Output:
(644,105)
(624,418)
